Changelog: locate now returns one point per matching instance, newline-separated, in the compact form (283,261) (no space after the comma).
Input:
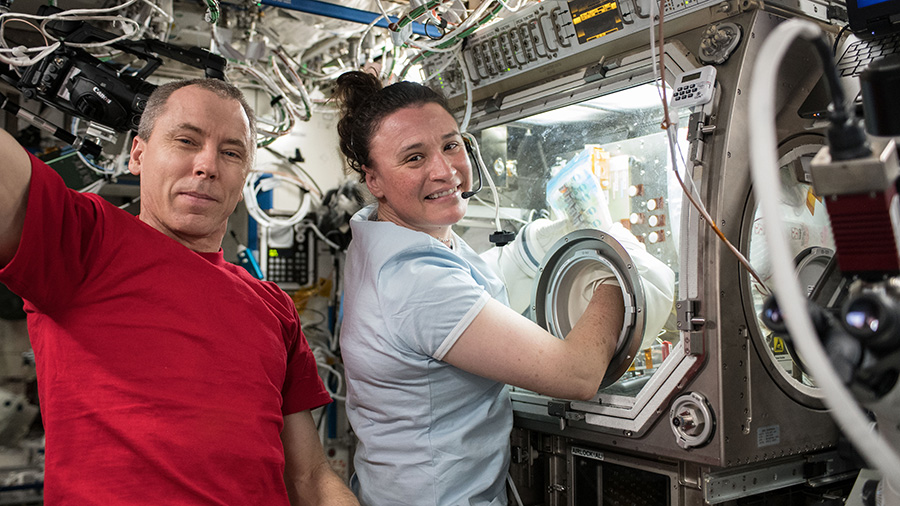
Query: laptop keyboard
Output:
(863,51)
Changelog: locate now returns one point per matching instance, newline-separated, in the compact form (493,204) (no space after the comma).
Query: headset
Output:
(475,161)
(500,237)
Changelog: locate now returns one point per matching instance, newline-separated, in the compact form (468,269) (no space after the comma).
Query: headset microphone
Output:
(475,161)
(471,193)
(500,237)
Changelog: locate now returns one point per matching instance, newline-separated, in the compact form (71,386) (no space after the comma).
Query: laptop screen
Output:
(862,4)
(873,15)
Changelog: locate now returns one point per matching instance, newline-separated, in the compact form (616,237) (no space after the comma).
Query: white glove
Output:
(657,280)
(517,263)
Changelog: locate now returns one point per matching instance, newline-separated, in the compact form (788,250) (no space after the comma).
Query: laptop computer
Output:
(876,27)
(875,32)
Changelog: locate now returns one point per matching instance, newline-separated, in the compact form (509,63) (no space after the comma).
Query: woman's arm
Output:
(505,346)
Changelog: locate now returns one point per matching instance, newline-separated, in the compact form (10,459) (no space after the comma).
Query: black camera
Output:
(76,82)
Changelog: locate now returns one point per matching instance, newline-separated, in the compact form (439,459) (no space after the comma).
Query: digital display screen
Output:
(595,18)
(867,3)
(690,77)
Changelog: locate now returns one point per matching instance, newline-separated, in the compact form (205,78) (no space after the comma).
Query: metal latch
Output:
(561,410)
(697,130)
(691,324)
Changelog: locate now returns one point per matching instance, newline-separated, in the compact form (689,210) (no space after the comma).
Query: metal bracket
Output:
(598,71)
(561,410)
(493,104)
(697,130)
(730,484)
(691,324)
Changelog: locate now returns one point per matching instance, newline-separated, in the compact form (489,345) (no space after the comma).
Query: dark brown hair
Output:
(365,103)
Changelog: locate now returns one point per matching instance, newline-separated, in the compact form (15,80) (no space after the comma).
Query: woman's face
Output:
(419,169)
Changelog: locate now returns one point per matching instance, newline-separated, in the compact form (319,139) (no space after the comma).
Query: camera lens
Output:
(863,316)
(871,318)
(772,317)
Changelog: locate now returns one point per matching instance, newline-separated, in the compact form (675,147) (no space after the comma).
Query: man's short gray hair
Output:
(156,105)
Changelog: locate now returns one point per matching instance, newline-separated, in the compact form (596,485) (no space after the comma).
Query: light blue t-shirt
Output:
(430,434)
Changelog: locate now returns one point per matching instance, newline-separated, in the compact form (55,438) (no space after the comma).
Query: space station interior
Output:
(707,154)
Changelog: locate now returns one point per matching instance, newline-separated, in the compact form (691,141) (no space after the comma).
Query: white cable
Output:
(322,355)
(95,167)
(158,9)
(427,46)
(87,14)
(146,24)
(135,28)
(383,11)
(19,59)
(657,78)
(287,85)
(280,102)
(512,485)
(471,19)
(507,216)
(83,14)
(513,9)
(464,126)
(365,33)
(496,198)
(675,149)
(78,12)
(256,184)
(791,301)
(487,175)
(467,23)
(312,226)
(340,381)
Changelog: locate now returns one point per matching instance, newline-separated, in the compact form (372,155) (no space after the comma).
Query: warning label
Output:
(778,346)
(768,436)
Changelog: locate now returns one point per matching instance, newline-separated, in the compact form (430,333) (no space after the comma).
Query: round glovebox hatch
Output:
(565,283)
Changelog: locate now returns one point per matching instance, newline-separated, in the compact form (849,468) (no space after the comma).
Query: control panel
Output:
(542,34)
(290,257)
(694,87)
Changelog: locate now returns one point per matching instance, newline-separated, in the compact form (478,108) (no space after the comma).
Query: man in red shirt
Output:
(165,374)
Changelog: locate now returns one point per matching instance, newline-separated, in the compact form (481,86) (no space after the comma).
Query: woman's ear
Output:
(373,182)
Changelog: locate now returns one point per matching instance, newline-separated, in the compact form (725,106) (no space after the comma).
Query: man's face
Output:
(193,166)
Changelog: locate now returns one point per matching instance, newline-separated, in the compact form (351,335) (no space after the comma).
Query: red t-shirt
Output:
(163,374)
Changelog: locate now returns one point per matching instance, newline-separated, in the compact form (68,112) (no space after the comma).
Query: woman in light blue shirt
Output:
(427,339)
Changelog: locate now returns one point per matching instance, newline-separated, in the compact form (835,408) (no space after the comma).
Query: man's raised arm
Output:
(15,174)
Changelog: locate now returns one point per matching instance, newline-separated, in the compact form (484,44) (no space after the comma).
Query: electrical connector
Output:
(847,138)
(502,237)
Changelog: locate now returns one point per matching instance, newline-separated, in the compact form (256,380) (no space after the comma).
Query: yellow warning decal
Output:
(778,345)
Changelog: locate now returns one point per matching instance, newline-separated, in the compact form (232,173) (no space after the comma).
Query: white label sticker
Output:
(583,452)
(768,436)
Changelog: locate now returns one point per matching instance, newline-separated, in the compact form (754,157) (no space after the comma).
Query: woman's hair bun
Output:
(354,89)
